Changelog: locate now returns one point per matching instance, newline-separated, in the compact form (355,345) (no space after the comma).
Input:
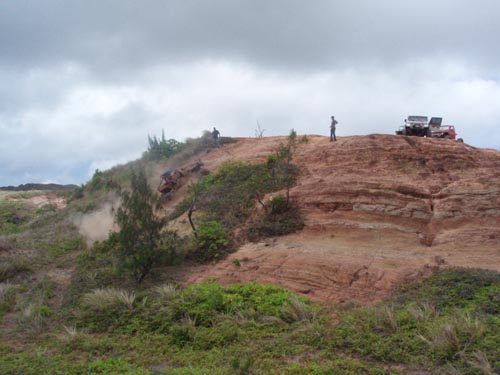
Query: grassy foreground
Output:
(447,324)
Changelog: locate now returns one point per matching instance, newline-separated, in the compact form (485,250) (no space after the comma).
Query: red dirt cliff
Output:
(378,210)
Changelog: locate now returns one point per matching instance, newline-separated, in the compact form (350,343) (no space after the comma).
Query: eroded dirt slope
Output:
(378,209)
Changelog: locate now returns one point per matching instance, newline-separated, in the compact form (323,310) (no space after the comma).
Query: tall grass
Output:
(167,292)
(455,335)
(387,318)
(296,310)
(480,361)
(108,298)
(422,312)
(33,318)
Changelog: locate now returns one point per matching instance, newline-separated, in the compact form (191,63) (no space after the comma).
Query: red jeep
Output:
(444,131)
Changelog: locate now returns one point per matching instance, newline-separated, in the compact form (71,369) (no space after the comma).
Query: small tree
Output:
(259,132)
(139,237)
(163,148)
(212,240)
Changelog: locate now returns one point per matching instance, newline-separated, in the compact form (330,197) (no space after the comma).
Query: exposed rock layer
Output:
(378,209)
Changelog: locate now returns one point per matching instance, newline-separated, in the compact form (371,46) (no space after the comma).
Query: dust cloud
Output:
(97,225)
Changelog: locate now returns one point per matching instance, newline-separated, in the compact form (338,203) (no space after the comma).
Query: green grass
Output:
(14,215)
(450,319)
(257,329)
(202,329)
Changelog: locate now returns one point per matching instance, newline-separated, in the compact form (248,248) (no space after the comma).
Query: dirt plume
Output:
(97,225)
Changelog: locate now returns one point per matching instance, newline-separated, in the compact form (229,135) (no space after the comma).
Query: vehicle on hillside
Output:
(445,131)
(415,125)
(170,180)
(420,126)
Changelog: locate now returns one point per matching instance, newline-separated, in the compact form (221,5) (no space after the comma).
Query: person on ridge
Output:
(215,135)
(333,127)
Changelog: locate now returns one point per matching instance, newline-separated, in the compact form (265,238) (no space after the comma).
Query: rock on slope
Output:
(378,209)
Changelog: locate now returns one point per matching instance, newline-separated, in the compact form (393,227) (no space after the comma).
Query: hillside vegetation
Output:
(71,305)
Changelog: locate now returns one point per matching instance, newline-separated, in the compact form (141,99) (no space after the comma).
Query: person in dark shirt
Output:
(215,135)
(333,127)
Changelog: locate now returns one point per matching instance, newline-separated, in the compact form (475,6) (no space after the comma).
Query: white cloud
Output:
(98,125)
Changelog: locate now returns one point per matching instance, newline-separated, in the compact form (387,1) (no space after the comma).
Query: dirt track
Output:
(379,209)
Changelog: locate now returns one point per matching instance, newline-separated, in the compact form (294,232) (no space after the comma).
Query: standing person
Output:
(333,127)
(215,135)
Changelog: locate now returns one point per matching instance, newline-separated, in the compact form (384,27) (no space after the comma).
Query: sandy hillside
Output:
(379,209)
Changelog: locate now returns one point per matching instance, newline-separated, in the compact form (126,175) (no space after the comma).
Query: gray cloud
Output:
(119,34)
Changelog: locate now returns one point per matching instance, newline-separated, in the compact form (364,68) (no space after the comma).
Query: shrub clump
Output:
(229,197)
(212,241)
(280,217)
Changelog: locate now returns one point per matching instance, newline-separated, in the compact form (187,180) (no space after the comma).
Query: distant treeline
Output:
(31,186)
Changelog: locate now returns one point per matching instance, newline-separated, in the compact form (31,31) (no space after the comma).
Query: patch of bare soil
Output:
(378,209)
(42,199)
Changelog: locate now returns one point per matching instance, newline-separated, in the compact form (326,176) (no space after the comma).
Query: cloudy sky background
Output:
(83,82)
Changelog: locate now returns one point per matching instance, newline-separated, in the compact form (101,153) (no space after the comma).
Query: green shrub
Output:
(97,181)
(450,288)
(162,148)
(230,195)
(183,334)
(76,194)
(212,241)
(278,205)
(206,301)
(280,218)
(488,299)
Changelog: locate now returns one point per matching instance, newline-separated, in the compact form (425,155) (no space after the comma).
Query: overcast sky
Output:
(83,82)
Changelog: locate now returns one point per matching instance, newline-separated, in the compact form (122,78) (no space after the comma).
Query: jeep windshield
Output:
(418,119)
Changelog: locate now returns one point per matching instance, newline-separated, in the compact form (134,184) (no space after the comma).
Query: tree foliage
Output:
(138,241)
(212,240)
(163,148)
